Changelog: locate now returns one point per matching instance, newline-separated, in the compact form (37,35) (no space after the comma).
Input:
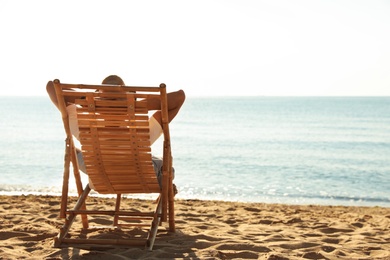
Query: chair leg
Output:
(65,181)
(154,225)
(117,208)
(171,210)
(77,178)
(71,217)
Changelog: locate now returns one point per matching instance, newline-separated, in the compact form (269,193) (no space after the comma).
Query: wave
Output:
(220,195)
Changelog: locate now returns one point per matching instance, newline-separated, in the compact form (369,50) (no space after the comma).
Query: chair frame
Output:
(164,209)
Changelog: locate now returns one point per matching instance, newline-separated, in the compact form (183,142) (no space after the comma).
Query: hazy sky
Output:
(206,47)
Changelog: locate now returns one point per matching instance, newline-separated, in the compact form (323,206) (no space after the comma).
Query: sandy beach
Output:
(210,230)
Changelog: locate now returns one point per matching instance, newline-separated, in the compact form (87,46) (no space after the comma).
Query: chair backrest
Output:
(114,134)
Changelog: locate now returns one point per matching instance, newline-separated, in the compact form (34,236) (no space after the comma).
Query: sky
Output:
(205,47)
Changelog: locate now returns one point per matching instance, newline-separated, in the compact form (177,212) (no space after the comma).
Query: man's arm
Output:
(175,101)
(53,97)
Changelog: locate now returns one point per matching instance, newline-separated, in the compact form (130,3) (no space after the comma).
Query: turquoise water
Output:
(295,150)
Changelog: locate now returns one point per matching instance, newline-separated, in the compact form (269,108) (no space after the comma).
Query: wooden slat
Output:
(112,213)
(116,242)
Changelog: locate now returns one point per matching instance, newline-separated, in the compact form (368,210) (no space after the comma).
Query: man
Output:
(175,101)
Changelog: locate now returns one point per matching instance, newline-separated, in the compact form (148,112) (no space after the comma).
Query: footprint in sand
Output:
(331,240)
(330,230)
(294,246)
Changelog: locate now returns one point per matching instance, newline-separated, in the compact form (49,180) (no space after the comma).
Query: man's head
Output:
(113,80)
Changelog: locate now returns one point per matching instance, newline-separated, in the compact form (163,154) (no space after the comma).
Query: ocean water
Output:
(294,150)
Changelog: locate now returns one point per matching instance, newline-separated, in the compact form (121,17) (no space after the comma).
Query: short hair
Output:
(113,80)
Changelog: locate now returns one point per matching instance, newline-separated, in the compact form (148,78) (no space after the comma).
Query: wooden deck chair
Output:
(114,136)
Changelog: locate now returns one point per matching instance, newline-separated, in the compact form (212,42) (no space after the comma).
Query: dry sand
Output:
(210,230)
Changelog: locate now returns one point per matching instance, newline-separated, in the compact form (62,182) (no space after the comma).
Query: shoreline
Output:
(287,201)
(210,230)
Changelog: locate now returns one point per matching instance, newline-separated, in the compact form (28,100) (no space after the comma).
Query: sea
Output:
(291,150)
